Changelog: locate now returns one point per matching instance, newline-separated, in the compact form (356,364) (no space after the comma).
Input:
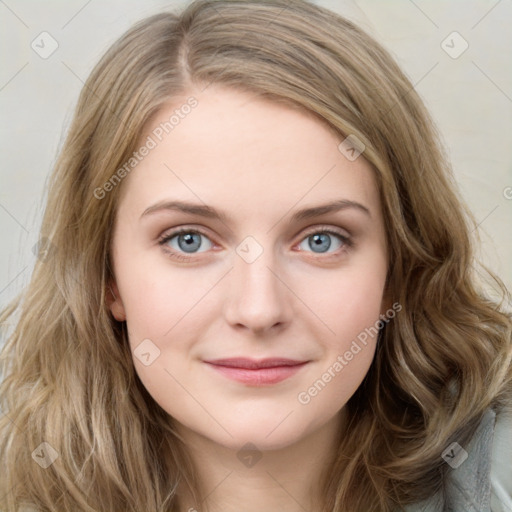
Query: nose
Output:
(259,299)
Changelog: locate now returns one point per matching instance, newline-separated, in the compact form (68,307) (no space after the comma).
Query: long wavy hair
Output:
(68,373)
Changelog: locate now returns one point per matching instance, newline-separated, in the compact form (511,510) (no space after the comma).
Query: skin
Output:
(260,162)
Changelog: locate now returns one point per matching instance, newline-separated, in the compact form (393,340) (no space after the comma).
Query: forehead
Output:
(244,154)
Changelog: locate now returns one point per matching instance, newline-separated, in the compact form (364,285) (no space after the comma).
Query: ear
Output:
(114,302)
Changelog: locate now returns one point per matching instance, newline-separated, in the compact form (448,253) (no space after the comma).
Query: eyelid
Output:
(326,228)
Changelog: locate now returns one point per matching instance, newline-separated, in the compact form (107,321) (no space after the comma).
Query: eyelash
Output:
(346,240)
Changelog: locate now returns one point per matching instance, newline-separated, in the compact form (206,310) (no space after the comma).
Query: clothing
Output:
(483,482)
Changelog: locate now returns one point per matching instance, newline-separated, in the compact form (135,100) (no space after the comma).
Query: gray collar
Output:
(467,488)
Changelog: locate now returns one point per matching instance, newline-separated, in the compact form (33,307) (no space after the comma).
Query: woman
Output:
(257,288)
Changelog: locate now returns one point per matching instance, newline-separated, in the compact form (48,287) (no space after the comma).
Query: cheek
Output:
(157,300)
(351,308)
(348,303)
(353,317)
(328,391)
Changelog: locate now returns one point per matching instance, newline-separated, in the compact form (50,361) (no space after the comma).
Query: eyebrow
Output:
(211,213)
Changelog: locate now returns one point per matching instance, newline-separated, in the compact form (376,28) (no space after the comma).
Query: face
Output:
(217,254)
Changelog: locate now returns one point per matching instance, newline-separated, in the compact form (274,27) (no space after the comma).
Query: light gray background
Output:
(470,98)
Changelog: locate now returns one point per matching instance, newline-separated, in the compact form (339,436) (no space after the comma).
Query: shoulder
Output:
(501,463)
(480,478)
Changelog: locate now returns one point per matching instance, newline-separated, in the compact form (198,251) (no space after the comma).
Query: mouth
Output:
(257,373)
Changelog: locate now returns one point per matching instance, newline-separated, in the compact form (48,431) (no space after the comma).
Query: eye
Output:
(186,241)
(320,241)
(183,243)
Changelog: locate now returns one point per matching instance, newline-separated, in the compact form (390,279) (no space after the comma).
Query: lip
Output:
(257,372)
(255,364)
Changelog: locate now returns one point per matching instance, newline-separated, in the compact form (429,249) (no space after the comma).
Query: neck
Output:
(288,479)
